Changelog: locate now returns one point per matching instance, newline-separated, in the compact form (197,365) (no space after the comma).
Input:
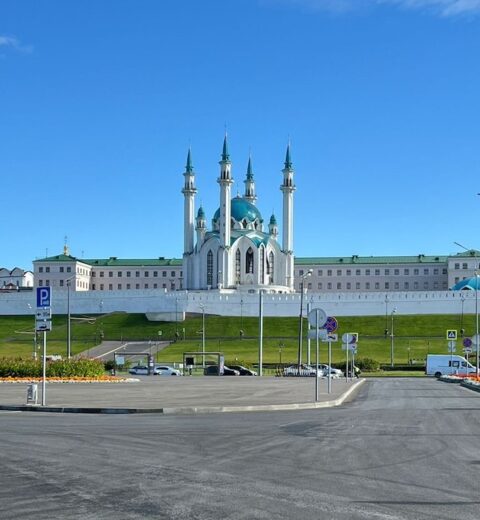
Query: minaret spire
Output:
(288,187)
(225,181)
(250,183)
(189,192)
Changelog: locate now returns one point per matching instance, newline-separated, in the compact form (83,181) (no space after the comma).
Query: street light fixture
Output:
(391,339)
(300,327)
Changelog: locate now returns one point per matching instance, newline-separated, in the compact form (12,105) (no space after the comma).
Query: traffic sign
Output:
(330,337)
(451,334)
(44,297)
(43,314)
(467,342)
(349,346)
(350,337)
(43,325)
(467,350)
(322,334)
(317,317)
(331,324)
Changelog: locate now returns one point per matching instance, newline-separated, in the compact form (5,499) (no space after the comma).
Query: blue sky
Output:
(100,100)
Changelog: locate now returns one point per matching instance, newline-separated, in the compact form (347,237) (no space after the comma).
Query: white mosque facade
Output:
(238,251)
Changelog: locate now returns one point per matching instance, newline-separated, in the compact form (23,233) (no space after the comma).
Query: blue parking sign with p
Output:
(44,296)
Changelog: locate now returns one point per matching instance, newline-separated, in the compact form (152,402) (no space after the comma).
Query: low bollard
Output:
(32,394)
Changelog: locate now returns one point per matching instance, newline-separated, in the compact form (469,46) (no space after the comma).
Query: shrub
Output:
(61,368)
(367,364)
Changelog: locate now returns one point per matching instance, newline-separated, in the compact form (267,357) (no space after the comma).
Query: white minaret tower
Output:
(188,191)
(225,181)
(288,187)
(250,184)
(201,227)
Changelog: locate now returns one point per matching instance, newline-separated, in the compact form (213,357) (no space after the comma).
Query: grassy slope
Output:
(420,334)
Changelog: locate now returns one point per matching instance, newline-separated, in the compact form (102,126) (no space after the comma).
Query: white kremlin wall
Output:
(164,306)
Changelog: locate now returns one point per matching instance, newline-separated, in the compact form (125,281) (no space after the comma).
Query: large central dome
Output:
(244,214)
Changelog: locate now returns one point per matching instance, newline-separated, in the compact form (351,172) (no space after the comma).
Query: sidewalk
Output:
(181,395)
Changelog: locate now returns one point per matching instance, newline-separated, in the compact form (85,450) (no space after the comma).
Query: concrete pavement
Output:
(181,395)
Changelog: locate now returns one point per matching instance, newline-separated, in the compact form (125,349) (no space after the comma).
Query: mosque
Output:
(238,251)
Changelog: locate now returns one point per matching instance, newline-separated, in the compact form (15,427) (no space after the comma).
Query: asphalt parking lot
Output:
(193,393)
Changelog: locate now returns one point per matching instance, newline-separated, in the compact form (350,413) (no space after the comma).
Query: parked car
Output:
(140,370)
(212,370)
(165,370)
(244,371)
(336,372)
(305,370)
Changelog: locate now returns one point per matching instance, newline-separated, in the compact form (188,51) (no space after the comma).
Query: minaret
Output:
(225,181)
(188,191)
(250,184)
(201,227)
(288,187)
(273,227)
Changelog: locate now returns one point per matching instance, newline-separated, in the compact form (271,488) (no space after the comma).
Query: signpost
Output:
(452,334)
(350,340)
(467,347)
(43,323)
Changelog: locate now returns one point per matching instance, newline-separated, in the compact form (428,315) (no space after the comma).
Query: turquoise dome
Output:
(242,210)
(469,284)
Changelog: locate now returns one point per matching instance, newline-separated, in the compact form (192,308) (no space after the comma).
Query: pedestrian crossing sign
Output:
(452,334)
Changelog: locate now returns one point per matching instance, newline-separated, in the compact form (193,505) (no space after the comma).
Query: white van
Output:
(447,364)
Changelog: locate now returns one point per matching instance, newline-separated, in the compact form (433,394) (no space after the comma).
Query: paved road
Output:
(106,349)
(402,449)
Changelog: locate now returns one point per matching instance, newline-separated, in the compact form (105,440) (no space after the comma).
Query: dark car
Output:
(244,371)
(212,370)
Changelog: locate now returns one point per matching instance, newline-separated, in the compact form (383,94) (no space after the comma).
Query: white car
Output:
(335,372)
(165,370)
(140,370)
(305,370)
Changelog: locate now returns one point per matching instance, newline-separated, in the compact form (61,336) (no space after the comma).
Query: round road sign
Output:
(317,318)
(349,338)
(331,324)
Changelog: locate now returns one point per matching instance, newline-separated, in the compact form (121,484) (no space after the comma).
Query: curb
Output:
(470,386)
(185,410)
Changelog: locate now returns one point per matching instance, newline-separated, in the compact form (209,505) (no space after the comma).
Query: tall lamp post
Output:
(391,339)
(476,274)
(477,346)
(34,334)
(300,326)
(69,345)
(202,306)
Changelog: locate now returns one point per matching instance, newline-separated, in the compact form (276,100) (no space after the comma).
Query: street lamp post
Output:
(202,306)
(477,346)
(300,326)
(476,274)
(260,332)
(391,339)
(69,346)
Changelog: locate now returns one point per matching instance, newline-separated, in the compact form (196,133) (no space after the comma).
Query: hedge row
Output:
(62,368)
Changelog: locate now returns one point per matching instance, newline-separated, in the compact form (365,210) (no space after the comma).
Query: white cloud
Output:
(13,43)
(438,7)
(442,7)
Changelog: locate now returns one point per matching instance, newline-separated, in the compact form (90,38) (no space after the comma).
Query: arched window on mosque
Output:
(210,268)
(249,261)
(237,266)
(262,264)
(270,266)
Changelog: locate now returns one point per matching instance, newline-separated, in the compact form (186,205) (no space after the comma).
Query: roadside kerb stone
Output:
(264,391)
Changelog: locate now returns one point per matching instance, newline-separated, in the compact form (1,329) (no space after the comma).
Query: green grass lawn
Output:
(415,336)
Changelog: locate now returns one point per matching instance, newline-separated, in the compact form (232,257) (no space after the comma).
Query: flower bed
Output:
(73,379)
